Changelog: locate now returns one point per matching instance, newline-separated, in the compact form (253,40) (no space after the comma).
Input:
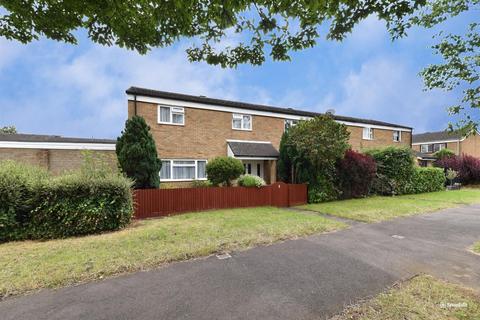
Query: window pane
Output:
(165,171)
(177,118)
(164,114)
(237,123)
(246,122)
(184,173)
(186,162)
(367,133)
(201,169)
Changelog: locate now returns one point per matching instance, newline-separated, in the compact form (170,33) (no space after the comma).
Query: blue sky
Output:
(54,88)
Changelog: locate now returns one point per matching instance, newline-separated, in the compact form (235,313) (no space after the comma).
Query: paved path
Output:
(309,278)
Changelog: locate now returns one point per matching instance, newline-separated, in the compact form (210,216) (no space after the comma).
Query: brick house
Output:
(55,153)
(189,130)
(426,144)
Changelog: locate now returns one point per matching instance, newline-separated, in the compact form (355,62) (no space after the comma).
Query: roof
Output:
(253,149)
(249,106)
(21,137)
(436,136)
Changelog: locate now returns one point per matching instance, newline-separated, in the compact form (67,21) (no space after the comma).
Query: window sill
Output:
(182,180)
(172,124)
(241,129)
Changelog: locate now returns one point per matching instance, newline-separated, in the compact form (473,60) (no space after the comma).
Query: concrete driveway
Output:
(308,278)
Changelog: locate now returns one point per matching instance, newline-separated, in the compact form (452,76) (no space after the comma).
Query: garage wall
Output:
(56,161)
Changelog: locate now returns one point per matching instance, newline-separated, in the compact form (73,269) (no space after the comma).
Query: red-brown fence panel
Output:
(298,194)
(163,202)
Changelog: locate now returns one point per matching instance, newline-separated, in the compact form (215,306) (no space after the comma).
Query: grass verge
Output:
(374,209)
(422,297)
(31,265)
(476,247)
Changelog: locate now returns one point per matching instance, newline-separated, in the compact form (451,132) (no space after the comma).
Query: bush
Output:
(313,147)
(222,170)
(250,181)
(444,153)
(137,154)
(77,205)
(355,173)
(19,184)
(201,184)
(38,206)
(395,167)
(426,180)
(468,167)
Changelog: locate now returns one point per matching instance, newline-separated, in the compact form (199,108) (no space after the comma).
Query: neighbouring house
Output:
(426,144)
(55,153)
(189,130)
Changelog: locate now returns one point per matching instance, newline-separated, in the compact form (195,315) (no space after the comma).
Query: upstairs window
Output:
(431,148)
(171,115)
(367,133)
(290,123)
(241,121)
(439,146)
(397,136)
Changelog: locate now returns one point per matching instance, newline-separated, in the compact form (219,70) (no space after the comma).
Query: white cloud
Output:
(390,90)
(84,94)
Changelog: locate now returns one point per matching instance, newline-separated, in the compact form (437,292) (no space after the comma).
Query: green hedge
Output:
(19,184)
(426,180)
(34,205)
(395,168)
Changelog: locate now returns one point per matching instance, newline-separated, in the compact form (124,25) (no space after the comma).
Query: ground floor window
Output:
(183,170)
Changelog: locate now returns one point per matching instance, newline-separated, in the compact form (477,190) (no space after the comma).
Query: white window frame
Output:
(239,116)
(399,136)
(173,110)
(422,148)
(292,123)
(184,165)
(369,135)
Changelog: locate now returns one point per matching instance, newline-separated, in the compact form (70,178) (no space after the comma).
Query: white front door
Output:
(253,167)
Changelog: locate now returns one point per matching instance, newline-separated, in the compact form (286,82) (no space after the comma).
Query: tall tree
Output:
(137,154)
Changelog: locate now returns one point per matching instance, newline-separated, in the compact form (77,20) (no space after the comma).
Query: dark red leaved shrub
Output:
(355,173)
(468,167)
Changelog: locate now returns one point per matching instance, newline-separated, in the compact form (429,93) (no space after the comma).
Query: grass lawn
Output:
(30,265)
(476,247)
(422,297)
(374,209)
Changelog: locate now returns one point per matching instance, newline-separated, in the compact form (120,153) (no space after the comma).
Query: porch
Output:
(259,158)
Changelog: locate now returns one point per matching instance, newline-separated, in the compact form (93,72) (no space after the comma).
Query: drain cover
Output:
(396,236)
(223,256)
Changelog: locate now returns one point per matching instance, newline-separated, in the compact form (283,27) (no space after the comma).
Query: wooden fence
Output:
(164,202)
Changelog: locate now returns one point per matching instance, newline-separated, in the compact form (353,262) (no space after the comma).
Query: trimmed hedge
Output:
(19,184)
(395,168)
(44,207)
(426,180)
(250,181)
